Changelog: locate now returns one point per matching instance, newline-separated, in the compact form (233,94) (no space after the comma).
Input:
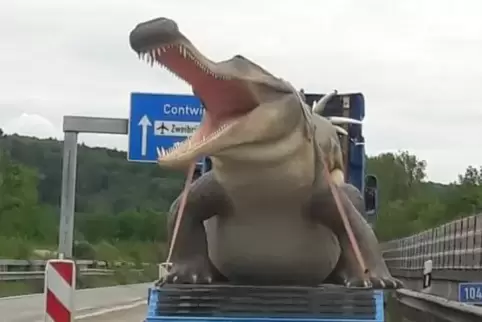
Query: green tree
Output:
(403,193)
(465,196)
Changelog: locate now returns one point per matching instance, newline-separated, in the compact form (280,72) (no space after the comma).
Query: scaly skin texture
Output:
(265,213)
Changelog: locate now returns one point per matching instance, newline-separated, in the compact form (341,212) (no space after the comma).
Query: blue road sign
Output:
(160,120)
(470,293)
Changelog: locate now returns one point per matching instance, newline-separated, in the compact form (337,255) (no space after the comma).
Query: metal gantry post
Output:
(67,203)
(73,125)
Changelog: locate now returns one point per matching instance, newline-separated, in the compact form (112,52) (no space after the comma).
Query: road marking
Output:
(20,296)
(113,309)
(139,301)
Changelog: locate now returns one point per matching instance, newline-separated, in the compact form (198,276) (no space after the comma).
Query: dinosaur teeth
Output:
(161,152)
(189,144)
(154,56)
(182,51)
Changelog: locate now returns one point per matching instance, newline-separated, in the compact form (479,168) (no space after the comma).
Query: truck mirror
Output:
(371,195)
(207,165)
(197,173)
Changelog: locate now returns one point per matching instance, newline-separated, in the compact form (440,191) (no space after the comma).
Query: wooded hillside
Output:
(124,204)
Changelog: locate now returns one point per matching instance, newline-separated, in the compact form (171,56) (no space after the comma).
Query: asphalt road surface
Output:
(135,314)
(88,302)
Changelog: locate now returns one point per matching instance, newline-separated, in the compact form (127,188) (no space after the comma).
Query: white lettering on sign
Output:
(182,110)
(170,128)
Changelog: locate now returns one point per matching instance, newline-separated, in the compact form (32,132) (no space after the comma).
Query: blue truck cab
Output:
(353,106)
(325,303)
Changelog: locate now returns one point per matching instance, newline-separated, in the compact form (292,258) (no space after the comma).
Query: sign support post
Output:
(156,121)
(67,203)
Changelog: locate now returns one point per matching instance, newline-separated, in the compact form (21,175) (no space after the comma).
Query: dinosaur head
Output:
(244,104)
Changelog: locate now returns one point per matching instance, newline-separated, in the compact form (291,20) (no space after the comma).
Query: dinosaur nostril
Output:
(160,25)
(152,32)
(164,23)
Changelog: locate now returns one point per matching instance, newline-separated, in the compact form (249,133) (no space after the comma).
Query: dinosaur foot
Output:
(196,271)
(375,283)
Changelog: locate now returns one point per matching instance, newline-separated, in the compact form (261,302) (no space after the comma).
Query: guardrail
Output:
(8,265)
(455,249)
(23,270)
(417,306)
(33,275)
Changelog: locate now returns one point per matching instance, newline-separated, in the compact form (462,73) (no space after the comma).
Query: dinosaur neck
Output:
(281,167)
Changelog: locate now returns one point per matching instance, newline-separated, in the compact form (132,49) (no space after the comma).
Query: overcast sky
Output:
(416,61)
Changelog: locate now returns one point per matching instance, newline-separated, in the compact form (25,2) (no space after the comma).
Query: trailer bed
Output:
(228,303)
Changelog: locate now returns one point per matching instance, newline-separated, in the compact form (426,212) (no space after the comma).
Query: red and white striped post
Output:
(59,290)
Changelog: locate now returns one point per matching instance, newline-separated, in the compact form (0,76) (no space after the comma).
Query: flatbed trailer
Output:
(229,303)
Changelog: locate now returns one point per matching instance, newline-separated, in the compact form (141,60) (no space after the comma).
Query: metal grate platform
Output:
(327,303)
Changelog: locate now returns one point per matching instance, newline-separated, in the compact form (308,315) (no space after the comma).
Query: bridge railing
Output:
(456,245)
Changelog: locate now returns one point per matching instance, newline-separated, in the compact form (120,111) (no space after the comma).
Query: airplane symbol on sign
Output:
(162,128)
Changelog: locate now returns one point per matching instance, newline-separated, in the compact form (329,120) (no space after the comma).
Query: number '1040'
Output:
(473,293)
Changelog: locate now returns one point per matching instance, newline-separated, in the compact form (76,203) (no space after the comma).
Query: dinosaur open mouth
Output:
(225,99)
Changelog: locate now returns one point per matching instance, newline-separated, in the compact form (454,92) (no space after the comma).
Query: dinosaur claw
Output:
(367,284)
(190,272)
(383,283)
(359,283)
(396,283)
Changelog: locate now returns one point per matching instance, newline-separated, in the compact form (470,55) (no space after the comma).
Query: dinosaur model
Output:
(265,213)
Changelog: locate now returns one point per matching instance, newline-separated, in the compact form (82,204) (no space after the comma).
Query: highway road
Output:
(134,314)
(97,305)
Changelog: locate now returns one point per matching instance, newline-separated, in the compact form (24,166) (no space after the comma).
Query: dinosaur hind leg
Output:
(348,270)
(190,260)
